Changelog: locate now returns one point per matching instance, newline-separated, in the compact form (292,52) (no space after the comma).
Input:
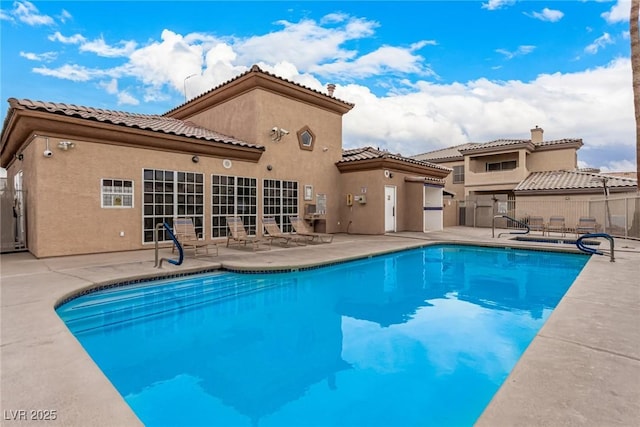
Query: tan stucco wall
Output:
(251,118)
(552,160)
(369,218)
(413,207)
(476,175)
(66,190)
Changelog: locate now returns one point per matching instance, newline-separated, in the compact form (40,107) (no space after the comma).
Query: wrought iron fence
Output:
(618,216)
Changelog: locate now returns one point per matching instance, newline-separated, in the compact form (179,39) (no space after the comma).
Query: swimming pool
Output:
(420,337)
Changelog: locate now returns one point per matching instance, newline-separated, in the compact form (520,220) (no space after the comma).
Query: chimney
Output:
(330,88)
(536,134)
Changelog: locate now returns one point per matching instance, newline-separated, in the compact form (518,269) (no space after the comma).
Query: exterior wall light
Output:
(195,159)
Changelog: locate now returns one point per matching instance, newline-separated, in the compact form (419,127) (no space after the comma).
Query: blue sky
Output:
(423,74)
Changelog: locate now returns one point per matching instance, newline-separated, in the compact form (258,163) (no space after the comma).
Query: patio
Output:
(583,368)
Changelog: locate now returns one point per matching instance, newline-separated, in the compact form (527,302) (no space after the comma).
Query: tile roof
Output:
(370,153)
(450,153)
(257,69)
(457,152)
(573,180)
(154,123)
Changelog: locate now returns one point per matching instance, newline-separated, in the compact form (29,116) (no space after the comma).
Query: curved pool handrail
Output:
(592,251)
(180,259)
(493,226)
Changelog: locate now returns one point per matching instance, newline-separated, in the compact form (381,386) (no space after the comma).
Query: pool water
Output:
(420,337)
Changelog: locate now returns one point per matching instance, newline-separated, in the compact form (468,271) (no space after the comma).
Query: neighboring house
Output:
(88,180)
(529,175)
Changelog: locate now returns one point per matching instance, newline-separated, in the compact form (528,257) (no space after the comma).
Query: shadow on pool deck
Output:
(583,368)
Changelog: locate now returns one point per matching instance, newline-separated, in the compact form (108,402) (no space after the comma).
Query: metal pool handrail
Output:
(493,226)
(175,242)
(592,251)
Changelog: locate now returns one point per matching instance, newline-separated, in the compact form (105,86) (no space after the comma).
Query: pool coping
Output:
(57,381)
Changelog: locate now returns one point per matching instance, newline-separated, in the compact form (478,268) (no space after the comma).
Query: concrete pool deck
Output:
(583,367)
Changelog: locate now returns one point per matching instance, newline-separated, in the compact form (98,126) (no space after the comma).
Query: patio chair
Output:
(587,225)
(273,230)
(185,232)
(557,225)
(239,234)
(536,223)
(302,229)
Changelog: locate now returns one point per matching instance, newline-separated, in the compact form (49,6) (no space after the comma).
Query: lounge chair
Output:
(273,230)
(302,229)
(587,225)
(239,234)
(185,232)
(536,223)
(557,225)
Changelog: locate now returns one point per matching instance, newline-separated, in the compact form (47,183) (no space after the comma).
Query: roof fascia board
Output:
(397,165)
(503,149)
(561,146)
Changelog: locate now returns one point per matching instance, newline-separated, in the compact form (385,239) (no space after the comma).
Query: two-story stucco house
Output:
(88,180)
(532,176)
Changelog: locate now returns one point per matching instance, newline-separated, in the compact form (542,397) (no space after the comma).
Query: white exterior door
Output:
(389,208)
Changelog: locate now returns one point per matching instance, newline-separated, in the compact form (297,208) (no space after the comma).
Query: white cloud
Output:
(110,86)
(100,48)
(619,12)
(125,98)
(436,116)
(28,13)
(64,16)
(306,41)
(619,166)
(521,51)
(383,60)
(497,4)
(598,43)
(4,16)
(413,116)
(44,57)
(547,14)
(166,62)
(74,39)
(76,73)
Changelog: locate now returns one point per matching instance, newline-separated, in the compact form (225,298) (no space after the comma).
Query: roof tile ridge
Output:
(255,68)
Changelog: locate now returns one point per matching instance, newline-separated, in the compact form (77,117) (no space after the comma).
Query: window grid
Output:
(168,194)
(458,174)
(280,200)
(231,195)
(117,193)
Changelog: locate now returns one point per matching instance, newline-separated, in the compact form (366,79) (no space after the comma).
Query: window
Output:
(117,193)
(306,138)
(501,166)
(168,194)
(233,195)
(458,174)
(280,201)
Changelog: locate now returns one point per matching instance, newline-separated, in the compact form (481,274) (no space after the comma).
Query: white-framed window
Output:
(116,193)
(280,200)
(168,194)
(233,196)
(458,174)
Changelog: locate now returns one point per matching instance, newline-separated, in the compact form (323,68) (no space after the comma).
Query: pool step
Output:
(122,304)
